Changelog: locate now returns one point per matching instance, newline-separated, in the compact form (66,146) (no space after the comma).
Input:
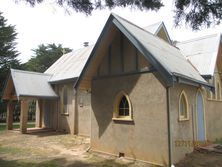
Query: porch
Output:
(24,87)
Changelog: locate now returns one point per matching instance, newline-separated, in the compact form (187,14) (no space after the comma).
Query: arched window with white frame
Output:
(183,107)
(122,107)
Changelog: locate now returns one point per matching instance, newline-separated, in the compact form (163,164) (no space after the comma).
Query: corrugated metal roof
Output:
(167,55)
(202,52)
(32,84)
(70,65)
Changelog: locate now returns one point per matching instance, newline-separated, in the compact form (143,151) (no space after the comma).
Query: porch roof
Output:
(22,84)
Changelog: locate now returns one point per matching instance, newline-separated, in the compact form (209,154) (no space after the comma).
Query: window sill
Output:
(65,114)
(183,119)
(216,100)
(123,119)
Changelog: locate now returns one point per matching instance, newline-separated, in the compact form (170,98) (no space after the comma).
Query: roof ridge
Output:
(29,72)
(198,38)
(157,23)
(144,30)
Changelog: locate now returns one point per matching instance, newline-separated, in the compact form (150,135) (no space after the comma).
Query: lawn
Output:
(16,125)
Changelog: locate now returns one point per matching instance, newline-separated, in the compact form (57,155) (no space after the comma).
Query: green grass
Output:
(20,163)
(16,125)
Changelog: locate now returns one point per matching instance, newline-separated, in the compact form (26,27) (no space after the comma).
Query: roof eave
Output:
(193,82)
(38,96)
(107,25)
(63,80)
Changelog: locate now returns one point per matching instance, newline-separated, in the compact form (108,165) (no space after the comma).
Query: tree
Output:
(8,54)
(46,55)
(198,13)
(87,6)
(195,13)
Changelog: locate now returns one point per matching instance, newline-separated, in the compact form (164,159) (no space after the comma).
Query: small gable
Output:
(159,29)
(9,90)
(162,33)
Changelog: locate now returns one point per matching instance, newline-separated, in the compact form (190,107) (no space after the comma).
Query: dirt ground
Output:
(200,159)
(52,149)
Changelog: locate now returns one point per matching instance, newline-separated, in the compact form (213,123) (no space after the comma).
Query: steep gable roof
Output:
(69,66)
(29,84)
(202,52)
(167,59)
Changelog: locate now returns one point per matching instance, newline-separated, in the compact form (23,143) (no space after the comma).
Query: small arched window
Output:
(122,107)
(183,107)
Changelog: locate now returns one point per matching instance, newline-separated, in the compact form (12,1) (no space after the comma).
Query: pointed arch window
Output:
(122,107)
(183,107)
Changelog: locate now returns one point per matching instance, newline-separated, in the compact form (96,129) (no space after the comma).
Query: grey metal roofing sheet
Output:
(202,52)
(32,84)
(70,65)
(168,56)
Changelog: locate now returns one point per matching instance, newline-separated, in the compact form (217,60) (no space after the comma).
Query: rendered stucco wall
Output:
(213,109)
(213,114)
(83,114)
(66,121)
(182,132)
(145,137)
(77,120)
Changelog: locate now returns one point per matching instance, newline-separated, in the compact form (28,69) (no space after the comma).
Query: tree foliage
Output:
(87,6)
(45,56)
(8,52)
(198,13)
(195,13)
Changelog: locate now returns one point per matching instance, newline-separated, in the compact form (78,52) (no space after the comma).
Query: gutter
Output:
(169,127)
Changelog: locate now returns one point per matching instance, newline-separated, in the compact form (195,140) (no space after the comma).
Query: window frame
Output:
(63,112)
(218,91)
(117,101)
(184,117)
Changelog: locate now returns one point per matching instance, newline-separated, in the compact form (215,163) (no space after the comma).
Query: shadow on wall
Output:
(103,97)
(54,119)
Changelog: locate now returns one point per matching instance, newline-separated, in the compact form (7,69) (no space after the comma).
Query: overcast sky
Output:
(48,23)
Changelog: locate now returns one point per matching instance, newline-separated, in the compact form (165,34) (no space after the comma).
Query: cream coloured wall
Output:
(144,138)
